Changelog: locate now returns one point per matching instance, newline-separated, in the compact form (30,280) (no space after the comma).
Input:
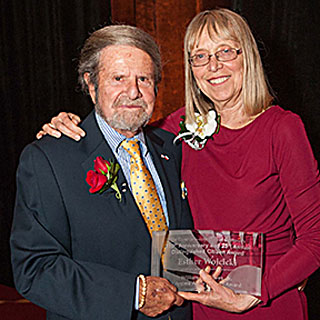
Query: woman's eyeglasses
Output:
(202,58)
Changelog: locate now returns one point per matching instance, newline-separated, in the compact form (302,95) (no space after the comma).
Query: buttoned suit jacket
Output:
(78,254)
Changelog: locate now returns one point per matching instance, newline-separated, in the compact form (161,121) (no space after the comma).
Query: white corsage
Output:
(197,133)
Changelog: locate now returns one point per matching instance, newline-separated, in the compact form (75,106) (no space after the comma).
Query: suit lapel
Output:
(126,211)
(164,162)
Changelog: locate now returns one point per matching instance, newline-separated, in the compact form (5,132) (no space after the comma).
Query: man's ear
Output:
(91,88)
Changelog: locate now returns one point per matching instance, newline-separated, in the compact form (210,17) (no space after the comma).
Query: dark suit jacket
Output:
(77,254)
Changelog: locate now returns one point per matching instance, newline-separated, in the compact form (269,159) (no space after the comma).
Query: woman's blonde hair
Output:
(231,26)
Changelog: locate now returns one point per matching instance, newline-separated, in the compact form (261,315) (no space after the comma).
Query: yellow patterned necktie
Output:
(144,190)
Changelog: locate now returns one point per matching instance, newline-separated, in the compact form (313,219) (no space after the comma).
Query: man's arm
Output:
(45,271)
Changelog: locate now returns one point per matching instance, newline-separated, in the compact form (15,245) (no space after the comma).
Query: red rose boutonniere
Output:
(103,177)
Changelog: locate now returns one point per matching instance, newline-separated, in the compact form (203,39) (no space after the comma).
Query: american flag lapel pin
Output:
(164,156)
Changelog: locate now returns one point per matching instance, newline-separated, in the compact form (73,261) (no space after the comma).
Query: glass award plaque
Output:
(179,255)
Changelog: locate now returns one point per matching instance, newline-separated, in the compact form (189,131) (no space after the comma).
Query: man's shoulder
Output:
(164,140)
(160,136)
(54,146)
(64,146)
(151,131)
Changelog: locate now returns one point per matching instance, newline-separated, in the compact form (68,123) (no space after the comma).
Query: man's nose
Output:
(133,89)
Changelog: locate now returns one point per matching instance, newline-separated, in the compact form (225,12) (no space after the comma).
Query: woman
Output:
(257,173)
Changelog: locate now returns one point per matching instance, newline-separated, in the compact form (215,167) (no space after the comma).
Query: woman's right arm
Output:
(67,123)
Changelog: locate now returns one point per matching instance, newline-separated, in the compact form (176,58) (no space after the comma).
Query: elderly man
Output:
(85,211)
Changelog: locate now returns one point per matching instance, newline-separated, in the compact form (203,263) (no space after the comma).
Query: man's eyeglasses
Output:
(202,57)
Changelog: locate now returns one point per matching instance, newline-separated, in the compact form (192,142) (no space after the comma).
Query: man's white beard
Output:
(126,120)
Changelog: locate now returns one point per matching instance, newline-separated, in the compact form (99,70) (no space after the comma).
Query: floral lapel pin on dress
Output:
(199,132)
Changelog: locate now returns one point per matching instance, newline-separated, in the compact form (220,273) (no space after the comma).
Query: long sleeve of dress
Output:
(299,179)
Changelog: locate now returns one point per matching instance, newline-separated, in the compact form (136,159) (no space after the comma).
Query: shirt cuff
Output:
(136,302)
